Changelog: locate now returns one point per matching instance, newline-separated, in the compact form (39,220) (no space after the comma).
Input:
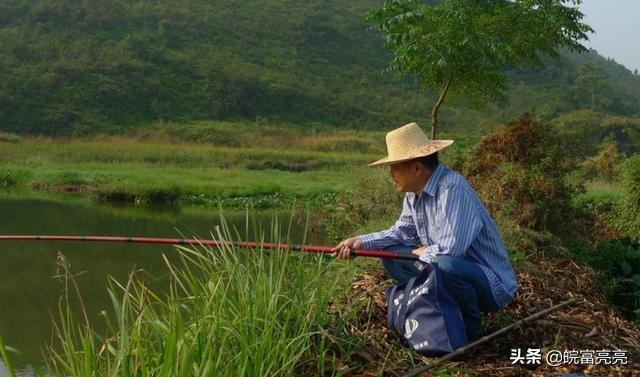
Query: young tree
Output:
(591,82)
(461,47)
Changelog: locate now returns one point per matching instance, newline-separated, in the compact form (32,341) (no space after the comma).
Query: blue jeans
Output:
(463,279)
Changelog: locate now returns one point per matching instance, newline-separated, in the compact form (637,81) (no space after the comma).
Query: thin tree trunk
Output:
(434,111)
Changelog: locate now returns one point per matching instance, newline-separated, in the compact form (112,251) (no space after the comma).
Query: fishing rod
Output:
(384,254)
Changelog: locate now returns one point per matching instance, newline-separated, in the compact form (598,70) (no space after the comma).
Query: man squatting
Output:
(445,224)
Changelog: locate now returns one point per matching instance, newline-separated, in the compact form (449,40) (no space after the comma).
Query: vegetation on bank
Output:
(266,165)
(230,311)
(141,172)
(201,164)
(524,172)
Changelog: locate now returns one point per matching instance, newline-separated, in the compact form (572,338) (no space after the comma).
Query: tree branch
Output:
(436,108)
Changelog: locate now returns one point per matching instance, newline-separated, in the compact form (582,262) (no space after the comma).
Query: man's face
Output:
(405,176)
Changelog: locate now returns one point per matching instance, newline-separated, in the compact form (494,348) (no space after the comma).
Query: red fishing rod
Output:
(384,254)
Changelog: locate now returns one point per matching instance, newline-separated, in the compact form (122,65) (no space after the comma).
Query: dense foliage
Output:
(590,132)
(75,67)
(629,212)
(618,264)
(462,47)
(520,173)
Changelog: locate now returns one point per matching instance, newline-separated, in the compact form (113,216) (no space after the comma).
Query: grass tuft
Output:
(229,311)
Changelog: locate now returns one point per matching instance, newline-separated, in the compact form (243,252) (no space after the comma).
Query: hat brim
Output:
(418,152)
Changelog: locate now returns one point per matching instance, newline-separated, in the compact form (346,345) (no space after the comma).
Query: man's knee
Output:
(448,265)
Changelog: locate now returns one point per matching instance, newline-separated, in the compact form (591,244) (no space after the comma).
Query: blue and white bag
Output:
(426,315)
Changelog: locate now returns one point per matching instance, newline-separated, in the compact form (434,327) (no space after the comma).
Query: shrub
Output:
(618,264)
(629,211)
(11,177)
(607,160)
(595,217)
(581,126)
(587,129)
(603,166)
(7,179)
(520,174)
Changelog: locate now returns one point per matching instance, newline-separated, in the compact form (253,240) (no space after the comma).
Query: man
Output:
(443,222)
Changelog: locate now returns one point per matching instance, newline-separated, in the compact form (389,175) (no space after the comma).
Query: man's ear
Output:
(416,167)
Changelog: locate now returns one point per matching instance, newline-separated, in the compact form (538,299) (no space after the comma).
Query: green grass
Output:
(142,172)
(7,359)
(139,182)
(204,163)
(600,191)
(124,150)
(229,312)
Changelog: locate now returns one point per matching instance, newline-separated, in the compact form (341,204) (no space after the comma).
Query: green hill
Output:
(84,66)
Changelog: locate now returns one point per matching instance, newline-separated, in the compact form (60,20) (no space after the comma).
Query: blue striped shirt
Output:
(449,219)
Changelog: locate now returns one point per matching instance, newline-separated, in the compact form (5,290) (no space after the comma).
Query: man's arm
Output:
(459,225)
(402,232)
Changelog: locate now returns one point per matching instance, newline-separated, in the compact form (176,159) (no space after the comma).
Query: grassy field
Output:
(603,190)
(145,172)
(207,163)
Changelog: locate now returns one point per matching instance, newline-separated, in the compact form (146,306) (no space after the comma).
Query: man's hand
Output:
(343,249)
(419,250)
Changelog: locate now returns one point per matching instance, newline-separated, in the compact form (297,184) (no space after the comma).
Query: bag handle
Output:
(407,292)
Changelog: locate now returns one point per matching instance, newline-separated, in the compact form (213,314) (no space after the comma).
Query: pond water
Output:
(29,290)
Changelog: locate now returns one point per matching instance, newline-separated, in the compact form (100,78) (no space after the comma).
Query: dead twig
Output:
(486,338)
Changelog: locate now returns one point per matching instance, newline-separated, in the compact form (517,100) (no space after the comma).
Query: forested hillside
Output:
(72,67)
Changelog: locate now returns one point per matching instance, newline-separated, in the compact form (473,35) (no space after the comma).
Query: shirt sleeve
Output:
(402,232)
(459,224)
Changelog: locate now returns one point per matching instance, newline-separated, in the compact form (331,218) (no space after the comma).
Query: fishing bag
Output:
(425,314)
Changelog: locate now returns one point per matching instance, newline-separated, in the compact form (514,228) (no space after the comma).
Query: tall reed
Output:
(228,312)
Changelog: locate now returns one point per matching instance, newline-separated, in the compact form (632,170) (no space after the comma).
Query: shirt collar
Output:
(432,184)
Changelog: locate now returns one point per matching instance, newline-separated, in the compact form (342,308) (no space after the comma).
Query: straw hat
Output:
(409,142)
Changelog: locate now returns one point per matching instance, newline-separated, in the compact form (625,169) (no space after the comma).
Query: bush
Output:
(581,126)
(7,179)
(587,129)
(629,212)
(595,217)
(603,166)
(13,177)
(520,174)
(618,264)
